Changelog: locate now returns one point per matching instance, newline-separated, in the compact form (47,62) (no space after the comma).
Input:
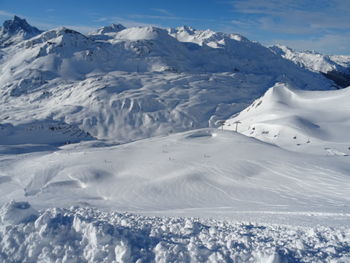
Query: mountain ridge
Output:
(127,84)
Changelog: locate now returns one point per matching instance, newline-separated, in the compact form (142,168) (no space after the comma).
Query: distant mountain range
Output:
(336,68)
(125,84)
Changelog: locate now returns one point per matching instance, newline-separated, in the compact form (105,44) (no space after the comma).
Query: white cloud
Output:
(297,16)
(4,13)
(333,44)
(162,11)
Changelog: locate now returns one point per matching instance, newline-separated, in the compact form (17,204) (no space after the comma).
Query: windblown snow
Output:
(145,144)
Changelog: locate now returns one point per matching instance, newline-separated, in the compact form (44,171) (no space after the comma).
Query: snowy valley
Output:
(147,144)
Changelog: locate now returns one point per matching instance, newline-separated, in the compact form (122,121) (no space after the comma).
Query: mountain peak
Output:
(17,25)
(188,29)
(113,28)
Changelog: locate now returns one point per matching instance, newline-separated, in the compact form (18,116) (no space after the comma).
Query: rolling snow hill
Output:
(303,121)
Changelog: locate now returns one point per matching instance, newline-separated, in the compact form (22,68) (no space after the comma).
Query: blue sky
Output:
(321,25)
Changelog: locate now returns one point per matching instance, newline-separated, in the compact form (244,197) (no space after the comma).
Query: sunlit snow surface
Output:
(218,196)
(71,105)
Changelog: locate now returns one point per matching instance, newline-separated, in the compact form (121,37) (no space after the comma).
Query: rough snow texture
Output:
(132,83)
(88,235)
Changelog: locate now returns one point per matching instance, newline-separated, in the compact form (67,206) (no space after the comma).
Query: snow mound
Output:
(15,213)
(89,235)
(314,122)
(142,33)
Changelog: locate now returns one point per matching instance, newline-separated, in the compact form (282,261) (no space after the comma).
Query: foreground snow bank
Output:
(89,235)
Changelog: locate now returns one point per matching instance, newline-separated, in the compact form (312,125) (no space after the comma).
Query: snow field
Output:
(206,172)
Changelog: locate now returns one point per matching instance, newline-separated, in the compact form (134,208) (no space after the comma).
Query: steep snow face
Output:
(204,172)
(128,84)
(15,30)
(315,122)
(314,61)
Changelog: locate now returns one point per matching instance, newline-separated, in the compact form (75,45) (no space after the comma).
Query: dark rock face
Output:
(339,78)
(17,25)
(16,30)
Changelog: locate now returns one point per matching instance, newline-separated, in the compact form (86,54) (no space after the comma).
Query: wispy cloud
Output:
(4,13)
(297,16)
(128,21)
(162,11)
(132,20)
(143,16)
(321,25)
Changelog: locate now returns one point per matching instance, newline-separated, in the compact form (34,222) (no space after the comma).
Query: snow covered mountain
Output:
(131,83)
(15,31)
(336,68)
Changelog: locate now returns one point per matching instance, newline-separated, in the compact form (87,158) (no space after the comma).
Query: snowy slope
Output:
(132,83)
(38,136)
(197,173)
(303,121)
